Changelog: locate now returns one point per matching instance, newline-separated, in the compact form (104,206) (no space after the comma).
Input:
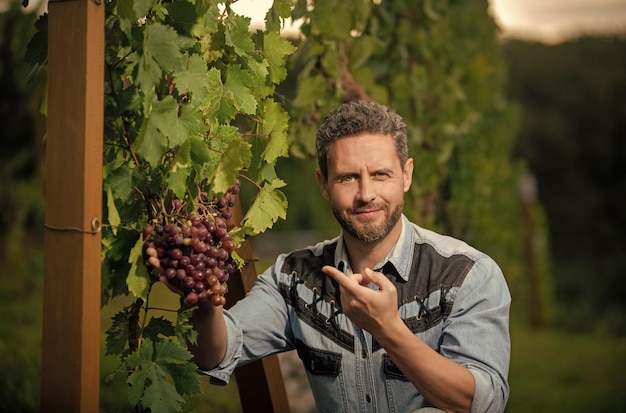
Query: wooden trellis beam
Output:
(71,308)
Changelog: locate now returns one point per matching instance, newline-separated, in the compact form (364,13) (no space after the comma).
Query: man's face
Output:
(366,185)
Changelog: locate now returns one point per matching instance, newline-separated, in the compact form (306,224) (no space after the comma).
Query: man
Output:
(388,316)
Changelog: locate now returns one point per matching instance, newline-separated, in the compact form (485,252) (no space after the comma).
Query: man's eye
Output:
(347,179)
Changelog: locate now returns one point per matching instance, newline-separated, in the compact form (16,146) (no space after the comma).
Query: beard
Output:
(367,232)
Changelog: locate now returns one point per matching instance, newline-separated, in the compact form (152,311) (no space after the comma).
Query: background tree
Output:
(574,124)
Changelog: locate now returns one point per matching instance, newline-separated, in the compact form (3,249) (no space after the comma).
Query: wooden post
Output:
(260,383)
(71,320)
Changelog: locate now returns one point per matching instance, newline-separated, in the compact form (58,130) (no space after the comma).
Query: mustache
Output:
(365,207)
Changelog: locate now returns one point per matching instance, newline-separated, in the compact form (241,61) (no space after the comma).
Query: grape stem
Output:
(251,181)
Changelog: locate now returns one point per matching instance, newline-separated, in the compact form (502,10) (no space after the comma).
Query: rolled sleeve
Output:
(476,334)
(234,340)
(257,325)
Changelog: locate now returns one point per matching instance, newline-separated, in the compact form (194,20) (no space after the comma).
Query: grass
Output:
(553,371)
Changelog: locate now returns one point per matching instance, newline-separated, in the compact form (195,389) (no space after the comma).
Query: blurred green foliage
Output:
(21,218)
(573,137)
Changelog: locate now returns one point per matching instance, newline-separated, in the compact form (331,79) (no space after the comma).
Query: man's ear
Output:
(323,183)
(408,174)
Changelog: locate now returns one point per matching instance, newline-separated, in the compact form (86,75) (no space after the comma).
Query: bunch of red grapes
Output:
(193,249)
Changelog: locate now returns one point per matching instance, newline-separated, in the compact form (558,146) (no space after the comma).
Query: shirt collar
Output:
(400,257)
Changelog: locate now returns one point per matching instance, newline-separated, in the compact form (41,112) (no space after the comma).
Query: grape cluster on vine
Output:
(192,248)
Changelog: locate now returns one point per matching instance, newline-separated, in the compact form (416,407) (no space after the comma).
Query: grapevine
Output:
(192,249)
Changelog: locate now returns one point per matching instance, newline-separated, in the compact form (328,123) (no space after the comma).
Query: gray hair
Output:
(356,118)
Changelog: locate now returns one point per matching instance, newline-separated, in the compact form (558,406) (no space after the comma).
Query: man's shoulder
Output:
(314,256)
(445,245)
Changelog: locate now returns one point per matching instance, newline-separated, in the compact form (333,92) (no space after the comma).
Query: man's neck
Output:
(368,254)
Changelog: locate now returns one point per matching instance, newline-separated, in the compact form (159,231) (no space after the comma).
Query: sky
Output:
(548,21)
(554,21)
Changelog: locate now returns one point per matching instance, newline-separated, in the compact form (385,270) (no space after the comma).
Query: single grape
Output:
(191,299)
(170,273)
(147,231)
(218,300)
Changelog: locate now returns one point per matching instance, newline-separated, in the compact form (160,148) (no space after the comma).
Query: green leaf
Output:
(126,11)
(193,79)
(275,50)
(37,48)
(238,86)
(238,35)
(269,205)
(117,334)
(183,15)
(164,116)
(160,54)
(138,280)
(161,44)
(177,181)
(158,326)
(199,153)
(274,123)
(235,158)
(141,7)
(151,144)
(113,217)
(311,91)
(120,181)
(281,9)
(155,366)
(185,333)
(219,103)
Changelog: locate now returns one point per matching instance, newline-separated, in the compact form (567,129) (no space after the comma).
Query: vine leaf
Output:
(161,373)
(113,215)
(158,326)
(185,333)
(176,128)
(236,157)
(238,34)
(160,54)
(269,205)
(192,79)
(138,280)
(117,334)
(274,124)
(150,144)
(280,9)
(238,86)
(218,104)
(275,50)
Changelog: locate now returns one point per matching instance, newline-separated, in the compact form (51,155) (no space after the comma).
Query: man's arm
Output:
(445,384)
(208,321)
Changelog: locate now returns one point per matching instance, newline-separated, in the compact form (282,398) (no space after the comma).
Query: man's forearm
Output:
(444,383)
(210,349)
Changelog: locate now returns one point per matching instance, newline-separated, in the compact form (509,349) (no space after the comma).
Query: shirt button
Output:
(368,398)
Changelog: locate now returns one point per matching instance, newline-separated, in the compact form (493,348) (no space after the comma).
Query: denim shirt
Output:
(450,295)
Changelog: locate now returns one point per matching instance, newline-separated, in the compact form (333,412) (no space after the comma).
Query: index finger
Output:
(335,274)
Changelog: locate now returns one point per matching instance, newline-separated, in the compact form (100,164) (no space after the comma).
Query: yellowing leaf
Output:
(269,205)
(114,216)
(235,158)
(275,50)
(138,280)
(274,121)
